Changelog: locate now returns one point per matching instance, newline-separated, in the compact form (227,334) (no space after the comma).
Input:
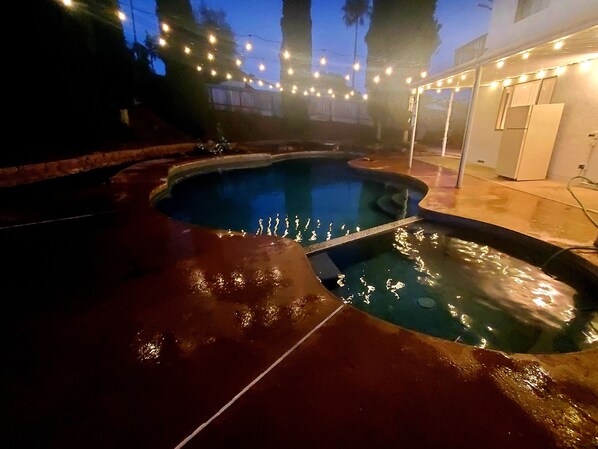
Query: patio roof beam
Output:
(448,122)
(414,126)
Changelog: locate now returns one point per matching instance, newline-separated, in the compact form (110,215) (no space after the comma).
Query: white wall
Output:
(579,91)
(560,17)
(485,140)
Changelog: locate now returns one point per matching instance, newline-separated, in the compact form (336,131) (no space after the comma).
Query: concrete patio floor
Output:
(125,328)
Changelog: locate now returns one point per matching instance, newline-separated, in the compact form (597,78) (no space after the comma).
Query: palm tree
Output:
(354,12)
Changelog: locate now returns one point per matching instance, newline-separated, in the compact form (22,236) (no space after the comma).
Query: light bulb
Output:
(356,66)
(463,77)
(165,27)
(541,74)
(423,74)
(262,67)
(238,62)
(199,69)
(438,91)
(213,72)
(449,81)
(506,82)
(558,45)
(493,84)
(67,3)
(187,50)
(260,83)
(500,64)
(346,96)
(347,77)
(212,39)
(286,54)
(210,56)
(330,91)
(377,79)
(121,16)
(439,83)
(323,60)
(290,71)
(162,42)
(523,78)
(228,76)
(365,96)
(388,71)
(316,74)
(248,46)
(408,80)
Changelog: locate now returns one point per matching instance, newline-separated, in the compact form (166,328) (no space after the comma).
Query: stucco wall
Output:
(560,17)
(485,141)
(579,91)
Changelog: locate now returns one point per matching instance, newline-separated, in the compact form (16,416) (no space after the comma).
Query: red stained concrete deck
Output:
(129,329)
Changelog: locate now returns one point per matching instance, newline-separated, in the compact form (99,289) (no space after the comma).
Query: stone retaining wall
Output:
(26,174)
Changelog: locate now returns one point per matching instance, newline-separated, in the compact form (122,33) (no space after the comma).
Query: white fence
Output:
(251,101)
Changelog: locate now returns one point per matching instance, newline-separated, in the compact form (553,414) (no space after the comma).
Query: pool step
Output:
(394,205)
(325,269)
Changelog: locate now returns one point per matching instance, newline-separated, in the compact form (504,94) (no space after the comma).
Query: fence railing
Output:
(251,101)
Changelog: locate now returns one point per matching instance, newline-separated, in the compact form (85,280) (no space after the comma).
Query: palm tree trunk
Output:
(354,55)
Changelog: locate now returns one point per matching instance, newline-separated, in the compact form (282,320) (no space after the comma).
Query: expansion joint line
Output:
(256,380)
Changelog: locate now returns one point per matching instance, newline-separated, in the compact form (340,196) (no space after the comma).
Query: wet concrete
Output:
(130,329)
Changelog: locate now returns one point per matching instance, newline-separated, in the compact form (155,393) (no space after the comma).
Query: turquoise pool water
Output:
(308,200)
(435,280)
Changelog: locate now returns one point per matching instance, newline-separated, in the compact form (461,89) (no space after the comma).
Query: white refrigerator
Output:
(528,140)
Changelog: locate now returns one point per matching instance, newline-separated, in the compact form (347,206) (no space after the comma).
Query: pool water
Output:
(309,200)
(427,278)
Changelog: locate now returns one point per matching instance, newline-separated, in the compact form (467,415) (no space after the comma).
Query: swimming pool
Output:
(467,287)
(309,200)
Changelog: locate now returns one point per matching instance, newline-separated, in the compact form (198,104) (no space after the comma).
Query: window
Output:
(532,92)
(526,8)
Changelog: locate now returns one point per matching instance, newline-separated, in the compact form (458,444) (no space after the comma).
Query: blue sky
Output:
(461,20)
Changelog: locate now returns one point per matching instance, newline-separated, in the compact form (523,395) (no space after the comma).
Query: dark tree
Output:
(295,25)
(74,82)
(403,34)
(354,12)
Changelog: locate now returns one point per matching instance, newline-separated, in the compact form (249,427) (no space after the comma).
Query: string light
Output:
(541,74)
(262,67)
(290,71)
(270,86)
(212,39)
(408,80)
(318,95)
(352,93)
(316,74)
(523,78)
(377,79)
(244,79)
(423,74)
(560,70)
(260,83)
(305,93)
(228,76)
(525,55)
(67,3)
(165,27)
(238,62)
(162,42)
(500,64)
(188,50)
(248,46)
(494,84)
(438,91)
(278,85)
(347,96)
(312,89)
(286,54)
(449,81)
(199,68)
(323,60)
(121,16)
(413,91)
(388,71)
(210,56)
(213,72)
(463,77)
(439,83)
(558,45)
(365,97)
(506,82)
(347,77)
(330,91)
(356,66)
(457,89)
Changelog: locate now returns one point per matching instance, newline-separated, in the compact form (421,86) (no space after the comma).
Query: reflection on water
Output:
(472,293)
(309,200)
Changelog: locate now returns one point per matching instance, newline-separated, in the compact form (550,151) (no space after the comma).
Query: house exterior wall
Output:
(579,91)
(559,17)
(485,140)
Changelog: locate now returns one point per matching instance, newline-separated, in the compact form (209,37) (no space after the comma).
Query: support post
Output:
(448,122)
(472,107)
(414,127)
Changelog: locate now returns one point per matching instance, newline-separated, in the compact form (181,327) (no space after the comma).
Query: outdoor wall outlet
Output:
(581,166)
